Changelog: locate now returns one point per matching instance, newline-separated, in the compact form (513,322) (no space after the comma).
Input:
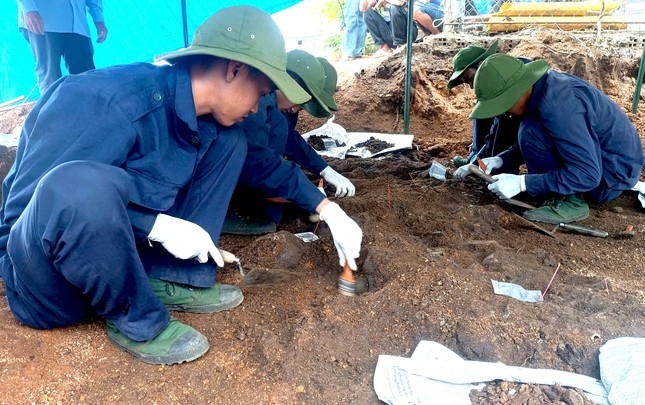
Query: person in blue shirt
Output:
(278,154)
(115,209)
(428,14)
(354,31)
(494,139)
(58,29)
(578,144)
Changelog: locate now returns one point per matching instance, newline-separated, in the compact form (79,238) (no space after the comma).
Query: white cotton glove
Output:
(184,239)
(461,172)
(344,187)
(508,185)
(346,233)
(492,163)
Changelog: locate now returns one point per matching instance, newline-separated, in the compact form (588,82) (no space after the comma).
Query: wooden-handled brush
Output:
(347,282)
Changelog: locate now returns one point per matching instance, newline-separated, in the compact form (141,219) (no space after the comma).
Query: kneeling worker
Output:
(577,143)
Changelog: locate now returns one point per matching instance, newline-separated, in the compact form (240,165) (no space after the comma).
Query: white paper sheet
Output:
(622,369)
(349,140)
(436,375)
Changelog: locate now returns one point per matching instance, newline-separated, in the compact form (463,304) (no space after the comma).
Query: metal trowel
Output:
(257,276)
(585,230)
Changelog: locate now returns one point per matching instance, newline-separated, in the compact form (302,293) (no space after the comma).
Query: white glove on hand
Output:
(184,239)
(508,185)
(461,172)
(492,163)
(344,187)
(346,233)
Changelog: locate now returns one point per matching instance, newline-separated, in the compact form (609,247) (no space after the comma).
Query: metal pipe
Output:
(639,83)
(184,21)
(408,70)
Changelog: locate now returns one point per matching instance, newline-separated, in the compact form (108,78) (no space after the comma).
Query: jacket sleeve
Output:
(301,152)
(577,147)
(274,176)
(142,220)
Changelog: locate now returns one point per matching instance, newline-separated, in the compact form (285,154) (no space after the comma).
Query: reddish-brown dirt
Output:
(429,252)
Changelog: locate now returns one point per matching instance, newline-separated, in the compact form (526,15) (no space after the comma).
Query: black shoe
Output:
(236,224)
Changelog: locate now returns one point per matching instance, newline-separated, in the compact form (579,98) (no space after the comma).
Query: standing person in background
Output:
(354,31)
(58,29)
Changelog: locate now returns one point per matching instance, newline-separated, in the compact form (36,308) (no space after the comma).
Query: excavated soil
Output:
(429,252)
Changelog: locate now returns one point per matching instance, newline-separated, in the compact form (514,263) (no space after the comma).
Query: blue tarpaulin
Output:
(138,30)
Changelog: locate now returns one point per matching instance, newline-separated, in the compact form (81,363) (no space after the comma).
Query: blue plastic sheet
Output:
(138,30)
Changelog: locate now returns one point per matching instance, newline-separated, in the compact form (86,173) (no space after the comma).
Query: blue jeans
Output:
(435,11)
(355,30)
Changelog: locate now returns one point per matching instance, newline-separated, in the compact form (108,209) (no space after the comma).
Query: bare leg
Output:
(425,22)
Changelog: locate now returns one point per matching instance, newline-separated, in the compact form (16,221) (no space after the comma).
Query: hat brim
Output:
(328,99)
(316,109)
(316,106)
(453,82)
(503,102)
(291,90)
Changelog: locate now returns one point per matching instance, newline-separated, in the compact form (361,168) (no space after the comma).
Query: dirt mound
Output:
(430,251)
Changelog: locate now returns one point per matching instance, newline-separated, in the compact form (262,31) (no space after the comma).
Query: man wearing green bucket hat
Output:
(268,179)
(494,139)
(115,209)
(577,143)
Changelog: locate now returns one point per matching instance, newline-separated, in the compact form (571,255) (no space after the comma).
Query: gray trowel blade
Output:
(262,277)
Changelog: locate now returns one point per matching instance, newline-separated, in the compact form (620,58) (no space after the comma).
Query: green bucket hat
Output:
(468,57)
(249,35)
(310,74)
(331,80)
(500,82)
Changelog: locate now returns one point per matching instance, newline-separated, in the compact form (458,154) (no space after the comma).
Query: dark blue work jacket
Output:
(593,138)
(265,168)
(140,117)
(299,150)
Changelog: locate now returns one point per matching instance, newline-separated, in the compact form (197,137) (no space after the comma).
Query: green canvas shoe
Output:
(565,209)
(180,297)
(460,161)
(177,343)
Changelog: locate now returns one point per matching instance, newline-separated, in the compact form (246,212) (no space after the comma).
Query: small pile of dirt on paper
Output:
(374,145)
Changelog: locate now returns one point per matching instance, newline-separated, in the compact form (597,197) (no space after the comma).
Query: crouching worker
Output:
(578,144)
(115,209)
(494,139)
(273,171)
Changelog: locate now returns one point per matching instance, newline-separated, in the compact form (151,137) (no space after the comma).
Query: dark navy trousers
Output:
(72,252)
(75,49)
(380,29)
